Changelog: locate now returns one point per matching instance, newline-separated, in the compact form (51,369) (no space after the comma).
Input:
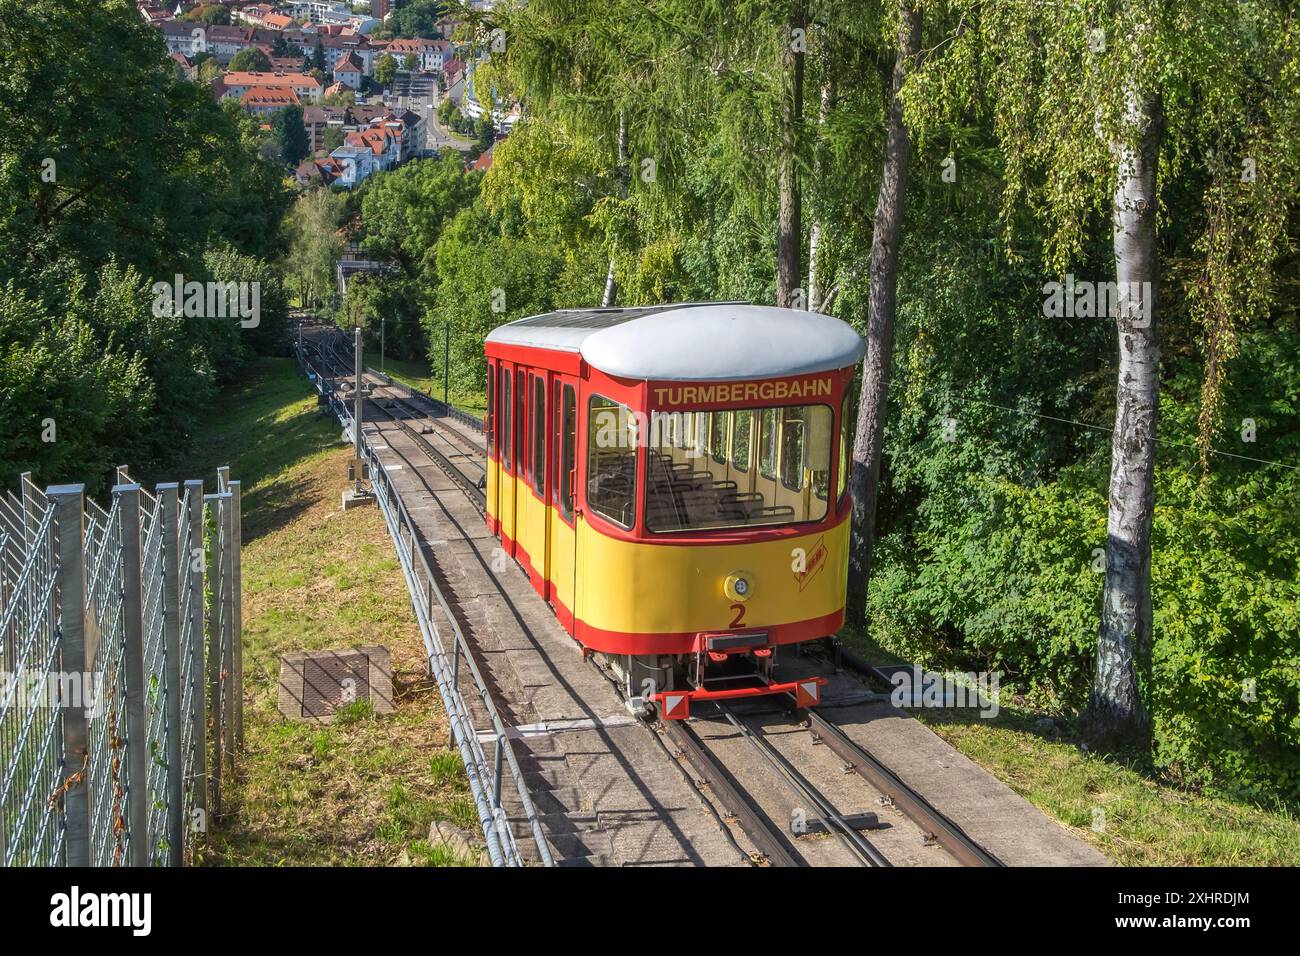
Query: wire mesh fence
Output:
(120,691)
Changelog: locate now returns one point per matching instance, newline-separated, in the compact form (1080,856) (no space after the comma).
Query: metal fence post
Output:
(70,522)
(214,658)
(226,532)
(137,731)
(167,512)
(194,564)
(237,611)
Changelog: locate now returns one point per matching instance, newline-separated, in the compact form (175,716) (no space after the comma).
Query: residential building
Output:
(330,170)
(453,72)
(255,14)
(304,86)
(186,38)
(354,165)
(484,162)
(349,71)
(333,12)
(384,145)
(338,46)
(154,15)
(184,64)
(225,41)
(266,100)
(315,119)
(307,173)
(430,54)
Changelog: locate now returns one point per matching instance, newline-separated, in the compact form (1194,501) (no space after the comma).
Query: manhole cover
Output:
(315,685)
(333,682)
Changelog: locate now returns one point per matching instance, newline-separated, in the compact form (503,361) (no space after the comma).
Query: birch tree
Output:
(1098,107)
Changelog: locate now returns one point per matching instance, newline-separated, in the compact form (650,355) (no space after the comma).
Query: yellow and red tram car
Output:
(674,480)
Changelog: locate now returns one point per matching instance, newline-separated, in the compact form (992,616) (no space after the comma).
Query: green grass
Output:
(364,789)
(1144,821)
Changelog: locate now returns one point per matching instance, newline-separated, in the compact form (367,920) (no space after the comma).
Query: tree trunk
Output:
(881,305)
(815,232)
(789,226)
(624,175)
(1116,714)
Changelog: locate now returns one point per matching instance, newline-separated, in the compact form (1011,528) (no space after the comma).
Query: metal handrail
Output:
(502,847)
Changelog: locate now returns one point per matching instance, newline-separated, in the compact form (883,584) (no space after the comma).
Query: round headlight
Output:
(738,586)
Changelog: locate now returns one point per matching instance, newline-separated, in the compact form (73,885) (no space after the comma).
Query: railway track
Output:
(771,844)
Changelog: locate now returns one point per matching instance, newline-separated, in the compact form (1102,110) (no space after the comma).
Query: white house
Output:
(349,71)
(353,165)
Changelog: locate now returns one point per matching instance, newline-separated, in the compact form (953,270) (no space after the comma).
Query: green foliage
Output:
(333,138)
(209,13)
(250,59)
(989,528)
(415,18)
(117,175)
(291,135)
(386,70)
(314,246)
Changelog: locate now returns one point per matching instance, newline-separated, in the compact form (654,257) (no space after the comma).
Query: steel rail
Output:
(936,826)
(766,836)
(831,818)
(478,497)
(447,434)
(461,645)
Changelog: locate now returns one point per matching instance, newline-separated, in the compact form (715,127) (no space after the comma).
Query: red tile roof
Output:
(376,138)
(269,96)
(238,78)
(349,64)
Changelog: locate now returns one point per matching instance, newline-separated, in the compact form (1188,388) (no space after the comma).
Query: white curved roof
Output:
(693,341)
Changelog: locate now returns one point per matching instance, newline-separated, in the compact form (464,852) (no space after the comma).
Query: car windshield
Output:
(738,469)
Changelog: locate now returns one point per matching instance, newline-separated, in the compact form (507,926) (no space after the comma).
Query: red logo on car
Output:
(813,562)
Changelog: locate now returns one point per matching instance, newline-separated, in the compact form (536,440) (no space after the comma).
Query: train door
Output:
(563,541)
(521,463)
(539,513)
(506,484)
(492,447)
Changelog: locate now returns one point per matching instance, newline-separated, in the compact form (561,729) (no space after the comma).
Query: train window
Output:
(792,460)
(842,476)
(767,443)
(684,493)
(569,461)
(539,435)
(740,429)
(611,460)
(557,433)
(491,407)
(718,436)
(506,431)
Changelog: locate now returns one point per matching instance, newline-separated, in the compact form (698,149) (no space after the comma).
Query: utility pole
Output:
(446,364)
(359,406)
(382,367)
(357,495)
